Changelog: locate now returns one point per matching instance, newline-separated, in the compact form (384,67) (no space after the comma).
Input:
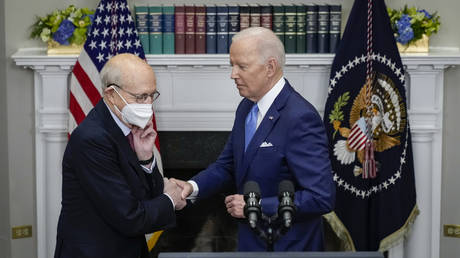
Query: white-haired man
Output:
(112,191)
(276,135)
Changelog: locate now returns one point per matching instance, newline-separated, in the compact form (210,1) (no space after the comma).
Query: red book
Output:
(179,29)
(200,32)
(190,24)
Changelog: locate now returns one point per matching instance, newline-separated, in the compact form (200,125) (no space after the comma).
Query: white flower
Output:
(45,35)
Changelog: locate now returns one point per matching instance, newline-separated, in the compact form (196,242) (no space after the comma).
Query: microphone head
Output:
(251,187)
(286,186)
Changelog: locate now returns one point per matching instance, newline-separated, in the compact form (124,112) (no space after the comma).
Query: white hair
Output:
(110,73)
(268,44)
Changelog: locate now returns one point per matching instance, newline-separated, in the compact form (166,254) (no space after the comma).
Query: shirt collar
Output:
(266,101)
(125,129)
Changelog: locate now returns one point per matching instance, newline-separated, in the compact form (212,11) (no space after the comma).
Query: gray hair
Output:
(110,73)
(268,44)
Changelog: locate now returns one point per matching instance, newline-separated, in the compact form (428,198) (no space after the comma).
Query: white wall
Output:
(17,178)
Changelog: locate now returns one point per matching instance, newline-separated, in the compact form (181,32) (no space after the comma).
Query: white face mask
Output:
(135,114)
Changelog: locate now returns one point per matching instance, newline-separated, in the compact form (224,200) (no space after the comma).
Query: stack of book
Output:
(208,29)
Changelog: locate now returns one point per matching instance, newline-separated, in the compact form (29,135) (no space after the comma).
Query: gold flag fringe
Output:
(388,242)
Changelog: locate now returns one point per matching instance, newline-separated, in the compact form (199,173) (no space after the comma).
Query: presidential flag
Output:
(112,32)
(369,137)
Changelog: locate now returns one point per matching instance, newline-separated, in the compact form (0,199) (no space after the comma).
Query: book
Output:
(278,21)
(290,38)
(245,18)
(190,24)
(155,30)
(179,29)
(233,22)
(254,15)
(200,29)
(211,30)
(335,18)
(222,29)
(300,28)
(141,14)
(323,28)
(312,29)
(168,29)
(266,16)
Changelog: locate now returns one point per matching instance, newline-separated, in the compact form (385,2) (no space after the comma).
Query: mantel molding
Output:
(197,94)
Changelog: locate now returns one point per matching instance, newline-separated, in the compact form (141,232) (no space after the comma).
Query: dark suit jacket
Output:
(299,153)
(108,201)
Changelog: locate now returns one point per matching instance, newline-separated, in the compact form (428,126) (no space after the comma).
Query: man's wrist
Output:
(146,161)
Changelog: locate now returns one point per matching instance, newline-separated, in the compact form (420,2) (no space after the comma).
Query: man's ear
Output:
(272,67)
(108,93)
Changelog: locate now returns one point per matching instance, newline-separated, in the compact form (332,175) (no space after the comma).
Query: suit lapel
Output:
(262,132)
(115,131)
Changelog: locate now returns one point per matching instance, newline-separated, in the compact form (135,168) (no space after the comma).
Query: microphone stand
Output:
(273,230)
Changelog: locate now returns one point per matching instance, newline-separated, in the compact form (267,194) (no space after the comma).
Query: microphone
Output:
(252,198)
(286,208)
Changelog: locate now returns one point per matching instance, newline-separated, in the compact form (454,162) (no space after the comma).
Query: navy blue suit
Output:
(108,201)
(299,153)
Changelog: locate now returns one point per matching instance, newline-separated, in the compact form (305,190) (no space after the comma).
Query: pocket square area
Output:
(266,144)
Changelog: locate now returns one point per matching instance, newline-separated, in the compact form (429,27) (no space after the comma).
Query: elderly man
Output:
(276,135)
(112,191)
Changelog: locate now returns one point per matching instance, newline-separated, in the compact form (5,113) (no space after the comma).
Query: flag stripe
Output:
(80,95)
(76,110)
(86,84)
(90,70)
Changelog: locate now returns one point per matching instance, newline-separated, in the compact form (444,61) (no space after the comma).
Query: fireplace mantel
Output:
(197,94)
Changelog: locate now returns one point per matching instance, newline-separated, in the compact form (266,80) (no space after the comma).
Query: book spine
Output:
(141,13)
(200,35)
(155,30)
(245,18)
(335,17)
(168,29)
(255,15)
(179,29)
(278,21)
(300,28)
(211,33)
(190,23)
(266,17)
(312,29)
(233,22)
(290,33)
(323,29)
(222,29)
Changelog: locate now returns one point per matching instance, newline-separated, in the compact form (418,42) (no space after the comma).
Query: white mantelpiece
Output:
(198,95)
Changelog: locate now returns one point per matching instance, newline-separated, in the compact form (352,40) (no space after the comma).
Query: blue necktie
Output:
(251,124)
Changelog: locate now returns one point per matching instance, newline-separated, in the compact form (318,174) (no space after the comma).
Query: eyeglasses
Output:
(140,98)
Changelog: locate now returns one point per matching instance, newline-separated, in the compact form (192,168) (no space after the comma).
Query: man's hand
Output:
(144,140)
(187,188)
(235,205)
(174,191)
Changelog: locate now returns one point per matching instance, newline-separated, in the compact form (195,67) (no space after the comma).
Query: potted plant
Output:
(64,30)
(412,28)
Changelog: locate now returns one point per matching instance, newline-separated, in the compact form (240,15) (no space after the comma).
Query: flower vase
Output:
(54,48)
(419,46)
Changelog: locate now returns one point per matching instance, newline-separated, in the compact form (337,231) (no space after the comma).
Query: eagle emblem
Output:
(388,122)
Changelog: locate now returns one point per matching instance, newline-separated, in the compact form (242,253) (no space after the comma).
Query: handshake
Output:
(178,191)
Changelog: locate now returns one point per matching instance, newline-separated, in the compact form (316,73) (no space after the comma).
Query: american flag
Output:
(112,32)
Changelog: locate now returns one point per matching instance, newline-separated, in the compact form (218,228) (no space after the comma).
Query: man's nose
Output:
(234,73)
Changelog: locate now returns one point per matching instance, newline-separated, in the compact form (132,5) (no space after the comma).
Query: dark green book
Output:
(142,13)
(155,30)
(323,28)
(300,28)
(290,38)
(278,21)
(168,29)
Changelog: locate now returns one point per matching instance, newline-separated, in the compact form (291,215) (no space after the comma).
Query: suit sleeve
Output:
(97,167)
(307,159)
(218,175)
